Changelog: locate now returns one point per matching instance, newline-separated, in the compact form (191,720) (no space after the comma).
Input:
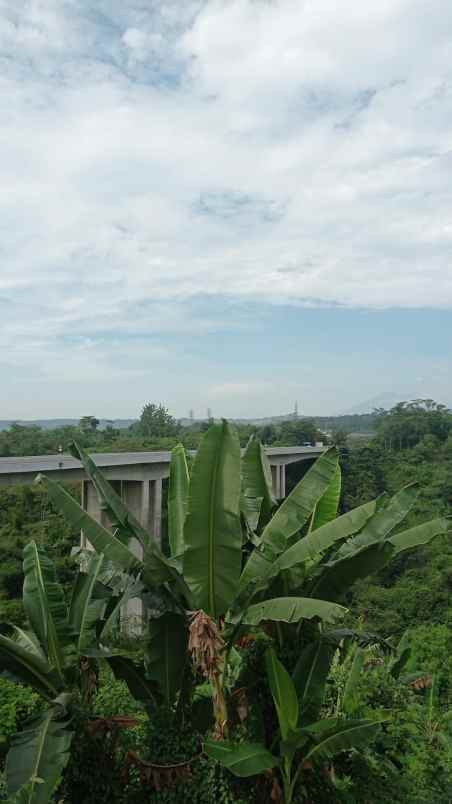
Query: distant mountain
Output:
(385,400)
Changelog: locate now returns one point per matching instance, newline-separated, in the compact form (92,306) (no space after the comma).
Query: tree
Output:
(157,422)
(298,432)
(89,424)
(407,423)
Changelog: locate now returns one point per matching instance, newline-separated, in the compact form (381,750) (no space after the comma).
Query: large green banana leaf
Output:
(166,653)
(127,527)
(45,605)
(292,610)
(326,508)
(102,539)
(421,534)
(23,796)
(332,737)
(124,523)
(283,693)
(29,641)
(40,752)
(116,604)
(134,675)
(290,517)
(179,481)
(339,575)
(257,499)
(317,541)
(310,675)
(241,759)
(88,603)
(384,521)
(213,538)
(28,667)
(349,696)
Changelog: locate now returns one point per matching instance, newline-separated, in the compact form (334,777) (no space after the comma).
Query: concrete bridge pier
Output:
(279,480)
(143,498)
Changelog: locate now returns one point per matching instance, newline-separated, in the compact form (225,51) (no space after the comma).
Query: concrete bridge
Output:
(136,476)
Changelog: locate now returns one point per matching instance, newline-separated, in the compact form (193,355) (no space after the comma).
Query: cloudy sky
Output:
(224,203)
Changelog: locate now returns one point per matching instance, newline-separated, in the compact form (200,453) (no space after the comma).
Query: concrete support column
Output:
(135,494)
(91,504)
(279,480)
(282,480)
(275,480)
(155,510)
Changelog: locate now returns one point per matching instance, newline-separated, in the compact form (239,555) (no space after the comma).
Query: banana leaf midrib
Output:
(211,536)
(53,646)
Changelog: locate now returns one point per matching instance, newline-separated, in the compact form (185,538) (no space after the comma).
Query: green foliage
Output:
(17,704)
(333,704)
(25,514)
(156,422)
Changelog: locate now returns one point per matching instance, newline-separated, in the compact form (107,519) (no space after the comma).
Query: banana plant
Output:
(238,558)
(302,743)
(204,570)
(56,656)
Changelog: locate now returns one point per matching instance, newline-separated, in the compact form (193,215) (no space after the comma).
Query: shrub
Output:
(17,704)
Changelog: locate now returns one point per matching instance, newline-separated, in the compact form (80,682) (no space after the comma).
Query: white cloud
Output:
(275,151)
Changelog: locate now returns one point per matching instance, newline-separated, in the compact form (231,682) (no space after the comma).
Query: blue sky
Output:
(232,205)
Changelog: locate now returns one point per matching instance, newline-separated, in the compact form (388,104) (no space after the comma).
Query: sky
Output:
(234,204)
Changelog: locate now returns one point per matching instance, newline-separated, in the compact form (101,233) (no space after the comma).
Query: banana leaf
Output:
(88,603)
(179,481)
(213,537)
(283,693)
(241,759)
(321,539)
(421,534)
(310,675)
(402,655)
(349,697)
(45,605)
(29,641)
(37,757)
(27,667)
(326,508)
(384,521)
(102,539)
(257,499)
(292,610)
(124,523)
(342,736)
(116,604)
(290,516)
(339,575)
(165,654)
(134,675)
(23,796)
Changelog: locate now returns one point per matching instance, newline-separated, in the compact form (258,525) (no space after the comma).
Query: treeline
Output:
(156,429)
(413,444)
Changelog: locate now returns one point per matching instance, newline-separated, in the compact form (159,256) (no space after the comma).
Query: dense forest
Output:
(412,760)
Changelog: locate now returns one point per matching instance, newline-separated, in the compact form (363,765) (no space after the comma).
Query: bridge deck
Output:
(33,464)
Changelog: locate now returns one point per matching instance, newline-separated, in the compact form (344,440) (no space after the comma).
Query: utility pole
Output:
(295,413)
(191,415)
